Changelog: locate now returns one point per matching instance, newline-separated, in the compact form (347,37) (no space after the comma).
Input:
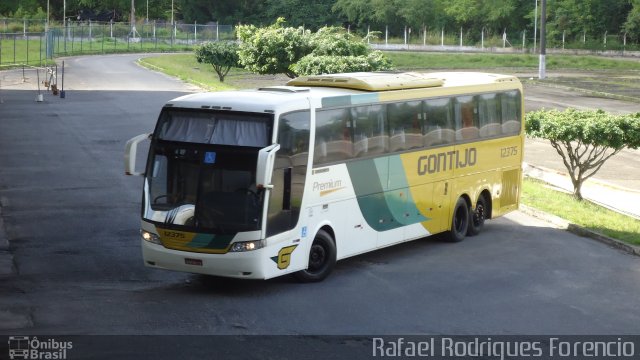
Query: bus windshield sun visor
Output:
(219,128)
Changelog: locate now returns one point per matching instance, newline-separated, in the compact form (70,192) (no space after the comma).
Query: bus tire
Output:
(477,217)
(322,259)
(459,221)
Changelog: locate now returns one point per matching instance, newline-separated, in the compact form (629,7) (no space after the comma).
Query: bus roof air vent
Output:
(376,81)
(284,89)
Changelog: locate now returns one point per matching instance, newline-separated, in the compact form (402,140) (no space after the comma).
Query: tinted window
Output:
(466,118)
(489,116)
(333,136)
(439,124)
(293,133)
(369,130)
(405,125)
(510,105)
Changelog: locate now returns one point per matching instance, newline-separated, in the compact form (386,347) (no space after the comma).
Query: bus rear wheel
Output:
(322,259)
(460,221)
(477,217)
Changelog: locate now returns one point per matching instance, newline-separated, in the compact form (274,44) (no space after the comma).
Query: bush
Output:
(272,50)
(276,49)
(328,64)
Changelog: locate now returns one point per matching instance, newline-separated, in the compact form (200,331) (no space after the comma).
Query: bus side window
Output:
(405,125)
(439,127)
(509,102)
(369,130)
(333,136)
(466,118)
(490,125)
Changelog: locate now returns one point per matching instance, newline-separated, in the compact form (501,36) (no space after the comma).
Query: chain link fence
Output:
(27,41)
(76,38)
(462,39)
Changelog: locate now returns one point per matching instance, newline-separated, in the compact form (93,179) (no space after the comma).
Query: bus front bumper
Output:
(246,265)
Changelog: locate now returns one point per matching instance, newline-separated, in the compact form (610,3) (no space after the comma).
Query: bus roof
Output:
(337,89)
(375,81)
(386,81)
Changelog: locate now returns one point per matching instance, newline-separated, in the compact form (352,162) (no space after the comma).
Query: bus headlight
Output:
(246,246)
(150,237)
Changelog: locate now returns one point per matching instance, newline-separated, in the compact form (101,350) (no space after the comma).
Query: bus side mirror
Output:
(266,159)
(130,150)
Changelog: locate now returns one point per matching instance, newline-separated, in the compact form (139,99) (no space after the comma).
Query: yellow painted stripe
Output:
(327,192)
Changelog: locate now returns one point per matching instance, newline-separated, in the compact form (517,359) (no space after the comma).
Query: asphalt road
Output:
(72,219)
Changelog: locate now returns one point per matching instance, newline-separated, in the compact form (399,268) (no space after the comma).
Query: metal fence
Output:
(35,48)
(27,41)
(491,40)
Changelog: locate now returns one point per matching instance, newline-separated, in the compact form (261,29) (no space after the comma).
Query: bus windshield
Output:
(202,169)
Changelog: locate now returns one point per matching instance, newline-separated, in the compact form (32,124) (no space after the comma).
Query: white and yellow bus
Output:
(290,179)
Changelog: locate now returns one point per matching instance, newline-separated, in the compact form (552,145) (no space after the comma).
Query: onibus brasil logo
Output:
(31,348)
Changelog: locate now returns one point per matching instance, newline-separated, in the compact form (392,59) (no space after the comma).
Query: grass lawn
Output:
(586,214)
(186,68)
(27,52)
(102,45)
(406,60)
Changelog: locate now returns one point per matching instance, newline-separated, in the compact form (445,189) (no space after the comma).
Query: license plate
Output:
(196,262)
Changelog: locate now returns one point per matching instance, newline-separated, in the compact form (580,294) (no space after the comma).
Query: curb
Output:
(528,168)
(579,230)
(539,172)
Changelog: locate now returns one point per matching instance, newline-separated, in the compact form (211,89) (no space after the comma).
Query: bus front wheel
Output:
(322,259)
(460,221)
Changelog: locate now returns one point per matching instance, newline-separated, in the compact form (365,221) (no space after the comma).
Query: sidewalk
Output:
(615,186)
(623,200)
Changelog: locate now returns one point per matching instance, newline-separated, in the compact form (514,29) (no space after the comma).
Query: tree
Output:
(272,49)
(576,18)
(335,41)
(584,139)
(277,49)
(465,12)
(336,51)
(498,13)
(222,55)
(632,25)
(222,11)
(356,11)
(19,9)
(310,14)
(427,13)
(385,12)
